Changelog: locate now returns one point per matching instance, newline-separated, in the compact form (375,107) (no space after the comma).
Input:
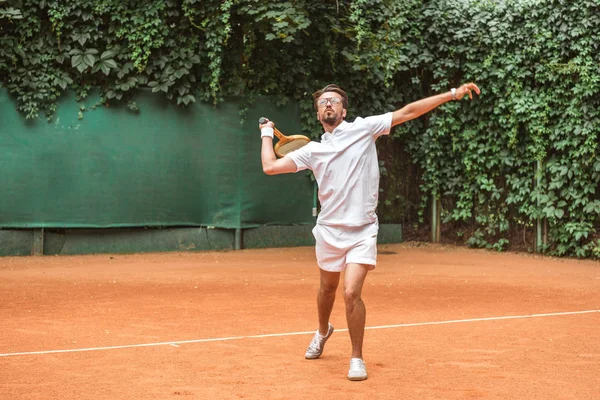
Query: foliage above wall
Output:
(525,150)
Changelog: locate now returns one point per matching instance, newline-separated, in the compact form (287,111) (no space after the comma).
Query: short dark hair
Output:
(331,88)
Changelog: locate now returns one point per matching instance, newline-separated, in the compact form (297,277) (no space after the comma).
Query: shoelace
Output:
(315,344)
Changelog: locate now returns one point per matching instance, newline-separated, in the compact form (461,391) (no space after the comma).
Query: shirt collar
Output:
(327,135)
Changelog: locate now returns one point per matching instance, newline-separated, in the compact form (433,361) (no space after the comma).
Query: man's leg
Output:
(326,298)
(354,279)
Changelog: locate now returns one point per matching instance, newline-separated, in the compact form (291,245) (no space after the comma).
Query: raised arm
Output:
(423,106)
(271,165)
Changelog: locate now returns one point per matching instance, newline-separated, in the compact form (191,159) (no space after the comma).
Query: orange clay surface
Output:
(235,325)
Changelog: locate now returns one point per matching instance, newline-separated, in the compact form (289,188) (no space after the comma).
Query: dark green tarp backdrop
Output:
(161,166)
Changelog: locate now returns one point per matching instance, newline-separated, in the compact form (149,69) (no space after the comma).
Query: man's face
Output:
(330,110)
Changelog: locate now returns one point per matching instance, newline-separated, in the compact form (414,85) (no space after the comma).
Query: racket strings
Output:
(291,146)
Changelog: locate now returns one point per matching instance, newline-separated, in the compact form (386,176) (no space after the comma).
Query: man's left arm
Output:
(423,106)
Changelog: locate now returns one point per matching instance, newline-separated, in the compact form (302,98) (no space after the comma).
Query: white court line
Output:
(454,321)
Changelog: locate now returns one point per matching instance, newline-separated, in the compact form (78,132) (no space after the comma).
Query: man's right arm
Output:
(271,165)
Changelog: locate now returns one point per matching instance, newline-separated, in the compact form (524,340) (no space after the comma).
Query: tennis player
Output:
(346,168)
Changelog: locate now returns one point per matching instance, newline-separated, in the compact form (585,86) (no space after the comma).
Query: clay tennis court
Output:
(442,323)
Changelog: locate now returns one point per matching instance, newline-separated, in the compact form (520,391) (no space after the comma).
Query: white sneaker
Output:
(315,348)
(358,371)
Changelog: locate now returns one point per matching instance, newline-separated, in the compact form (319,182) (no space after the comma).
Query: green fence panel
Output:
(161,166)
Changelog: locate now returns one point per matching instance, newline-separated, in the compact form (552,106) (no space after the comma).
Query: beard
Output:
(330,117)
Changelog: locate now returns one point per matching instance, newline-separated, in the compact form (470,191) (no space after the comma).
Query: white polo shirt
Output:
(347,171)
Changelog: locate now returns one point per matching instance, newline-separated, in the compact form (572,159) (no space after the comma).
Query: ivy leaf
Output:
(110,63)
(77,62)
(11,13)
(164,87)
(105,66)
(124,70)
(559,213)
(62,84)
(108,54)
(186,99)
(89,57)
(157,87)
(180,72)
(88,61)
(80,37)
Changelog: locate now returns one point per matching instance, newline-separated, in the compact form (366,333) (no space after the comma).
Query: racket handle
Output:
(280,136)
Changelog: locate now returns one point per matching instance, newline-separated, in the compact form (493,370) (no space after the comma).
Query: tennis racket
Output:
(286,144)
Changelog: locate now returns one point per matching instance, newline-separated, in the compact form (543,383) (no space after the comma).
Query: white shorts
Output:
(337,246)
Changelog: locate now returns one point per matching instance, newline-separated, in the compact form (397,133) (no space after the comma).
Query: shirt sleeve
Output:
(379,124)
(301,157)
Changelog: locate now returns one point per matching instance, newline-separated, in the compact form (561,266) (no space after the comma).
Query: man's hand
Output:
(264,124)
(271,165)
(266,127)
(466,90)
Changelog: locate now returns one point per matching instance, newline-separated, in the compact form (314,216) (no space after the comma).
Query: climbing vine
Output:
(525,151)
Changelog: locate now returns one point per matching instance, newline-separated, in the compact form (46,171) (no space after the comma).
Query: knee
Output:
(351,297)
(328,288)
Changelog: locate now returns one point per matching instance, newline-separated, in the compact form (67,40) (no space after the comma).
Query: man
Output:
(346,168)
